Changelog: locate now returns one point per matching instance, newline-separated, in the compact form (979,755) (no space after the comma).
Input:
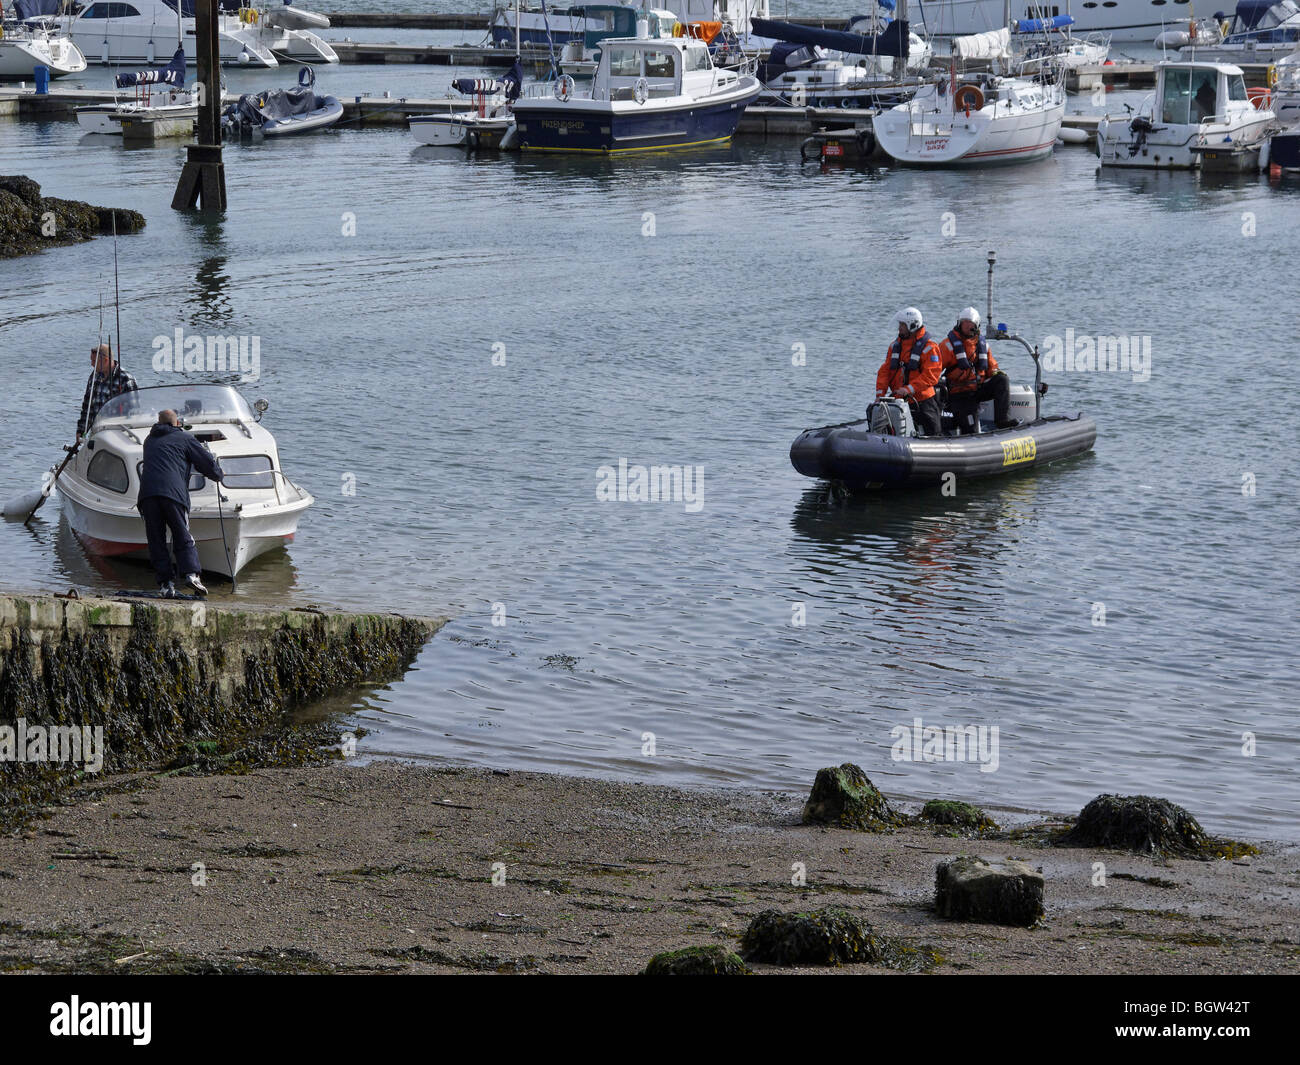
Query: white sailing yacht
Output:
(965,119)
(30,37)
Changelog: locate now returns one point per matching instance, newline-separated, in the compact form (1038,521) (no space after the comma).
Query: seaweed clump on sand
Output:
(961,817)
(1147,825)
(844,797)
(832,936)
(30,222)
(697,961)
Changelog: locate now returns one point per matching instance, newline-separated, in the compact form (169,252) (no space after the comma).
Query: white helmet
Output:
(910,317)
(970,314)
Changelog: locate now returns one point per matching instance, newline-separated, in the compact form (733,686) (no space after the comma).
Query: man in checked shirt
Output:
(107,380)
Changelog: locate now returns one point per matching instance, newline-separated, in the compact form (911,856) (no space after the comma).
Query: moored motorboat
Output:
(282,112)
(484,126)
(1258,31)
(647,94)
(1196,107)
(258,508)
(157,94)
(140,31)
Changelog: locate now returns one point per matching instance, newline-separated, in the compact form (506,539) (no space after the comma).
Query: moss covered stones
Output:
(697,961)
(844,797)
(1147,825)
(832,936)
(961,817)
(30,222)
(1002,892)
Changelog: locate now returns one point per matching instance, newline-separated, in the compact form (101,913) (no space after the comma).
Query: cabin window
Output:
(695,59)
(110,11)
(660,65)
(1090,3)
(1236,87)
(1190,96)
(624,63)
(248,471)
(108,471)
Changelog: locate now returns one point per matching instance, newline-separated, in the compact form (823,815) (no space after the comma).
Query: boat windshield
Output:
(194,403)
(1190,96)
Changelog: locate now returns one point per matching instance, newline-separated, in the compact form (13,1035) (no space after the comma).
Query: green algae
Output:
(1148,825)
(831,936)
(843,796)
(697,961)
(962,818)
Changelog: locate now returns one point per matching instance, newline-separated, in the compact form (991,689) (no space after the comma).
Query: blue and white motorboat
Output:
(282,112)
(647,94)
(1283,148)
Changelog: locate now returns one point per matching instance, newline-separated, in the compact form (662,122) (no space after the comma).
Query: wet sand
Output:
(389,867)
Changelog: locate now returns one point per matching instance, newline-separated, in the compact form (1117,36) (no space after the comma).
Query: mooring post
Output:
(203,180)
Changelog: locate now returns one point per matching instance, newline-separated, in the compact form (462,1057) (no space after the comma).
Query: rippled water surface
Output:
(476,484)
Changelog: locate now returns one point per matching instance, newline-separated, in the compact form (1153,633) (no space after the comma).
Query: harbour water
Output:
(653,311)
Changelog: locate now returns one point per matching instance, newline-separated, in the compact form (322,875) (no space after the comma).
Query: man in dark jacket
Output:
(170,453)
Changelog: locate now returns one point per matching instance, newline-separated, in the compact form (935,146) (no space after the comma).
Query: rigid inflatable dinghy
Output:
(281,112)
(883,450)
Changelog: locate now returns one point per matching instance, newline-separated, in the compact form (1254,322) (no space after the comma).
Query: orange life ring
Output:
(968,98)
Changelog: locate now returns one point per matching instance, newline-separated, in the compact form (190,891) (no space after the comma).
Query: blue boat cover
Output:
(172,74)
(892,41)
(1042,25)
(511,84)
(1249,13)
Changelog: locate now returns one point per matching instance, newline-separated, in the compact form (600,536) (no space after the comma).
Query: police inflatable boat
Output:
(883,450)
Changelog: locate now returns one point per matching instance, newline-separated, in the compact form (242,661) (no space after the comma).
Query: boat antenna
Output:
(992,259)
(117,297)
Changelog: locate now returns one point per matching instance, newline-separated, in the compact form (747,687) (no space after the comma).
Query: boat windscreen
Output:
(194,403)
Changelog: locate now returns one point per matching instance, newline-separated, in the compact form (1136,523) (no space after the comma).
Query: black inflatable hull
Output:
(861,459)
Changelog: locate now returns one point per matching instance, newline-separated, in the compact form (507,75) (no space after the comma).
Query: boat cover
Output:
(995,44)
(26,9)
(1263,14)
(892,41)
(172,74)
(1043,25)
(276,105)
(510,85)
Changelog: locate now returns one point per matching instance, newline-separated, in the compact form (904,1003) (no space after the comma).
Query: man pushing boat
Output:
(911,370)
(170,454)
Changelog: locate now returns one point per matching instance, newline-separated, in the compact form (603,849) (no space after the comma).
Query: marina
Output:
(590,447)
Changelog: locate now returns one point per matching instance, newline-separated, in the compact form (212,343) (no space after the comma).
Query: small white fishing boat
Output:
(976,119)
(259,509)
(157,94)
(484,126)
(1196,107)
(30,37)
(282,112)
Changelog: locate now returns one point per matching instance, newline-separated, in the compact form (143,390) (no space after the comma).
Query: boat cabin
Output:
(1188,94)
(633,68)
(619,20)
(1264,22)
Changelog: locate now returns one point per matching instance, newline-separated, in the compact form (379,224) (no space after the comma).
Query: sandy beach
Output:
(389,867)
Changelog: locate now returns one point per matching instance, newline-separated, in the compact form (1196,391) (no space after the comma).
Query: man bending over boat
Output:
(911,370)
(170,454)
(973,375)
(107,380)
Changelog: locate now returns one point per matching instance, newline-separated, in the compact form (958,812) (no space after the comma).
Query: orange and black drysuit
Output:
(973,376)
(911,370)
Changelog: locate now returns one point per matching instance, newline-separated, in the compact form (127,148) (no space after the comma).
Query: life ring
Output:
(968,98)
(1271,77)
(563,88)
(641,91)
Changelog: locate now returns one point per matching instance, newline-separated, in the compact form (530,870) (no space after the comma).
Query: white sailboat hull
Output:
(20,56)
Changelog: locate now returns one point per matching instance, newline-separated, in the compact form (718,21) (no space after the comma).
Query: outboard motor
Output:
(891,417)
